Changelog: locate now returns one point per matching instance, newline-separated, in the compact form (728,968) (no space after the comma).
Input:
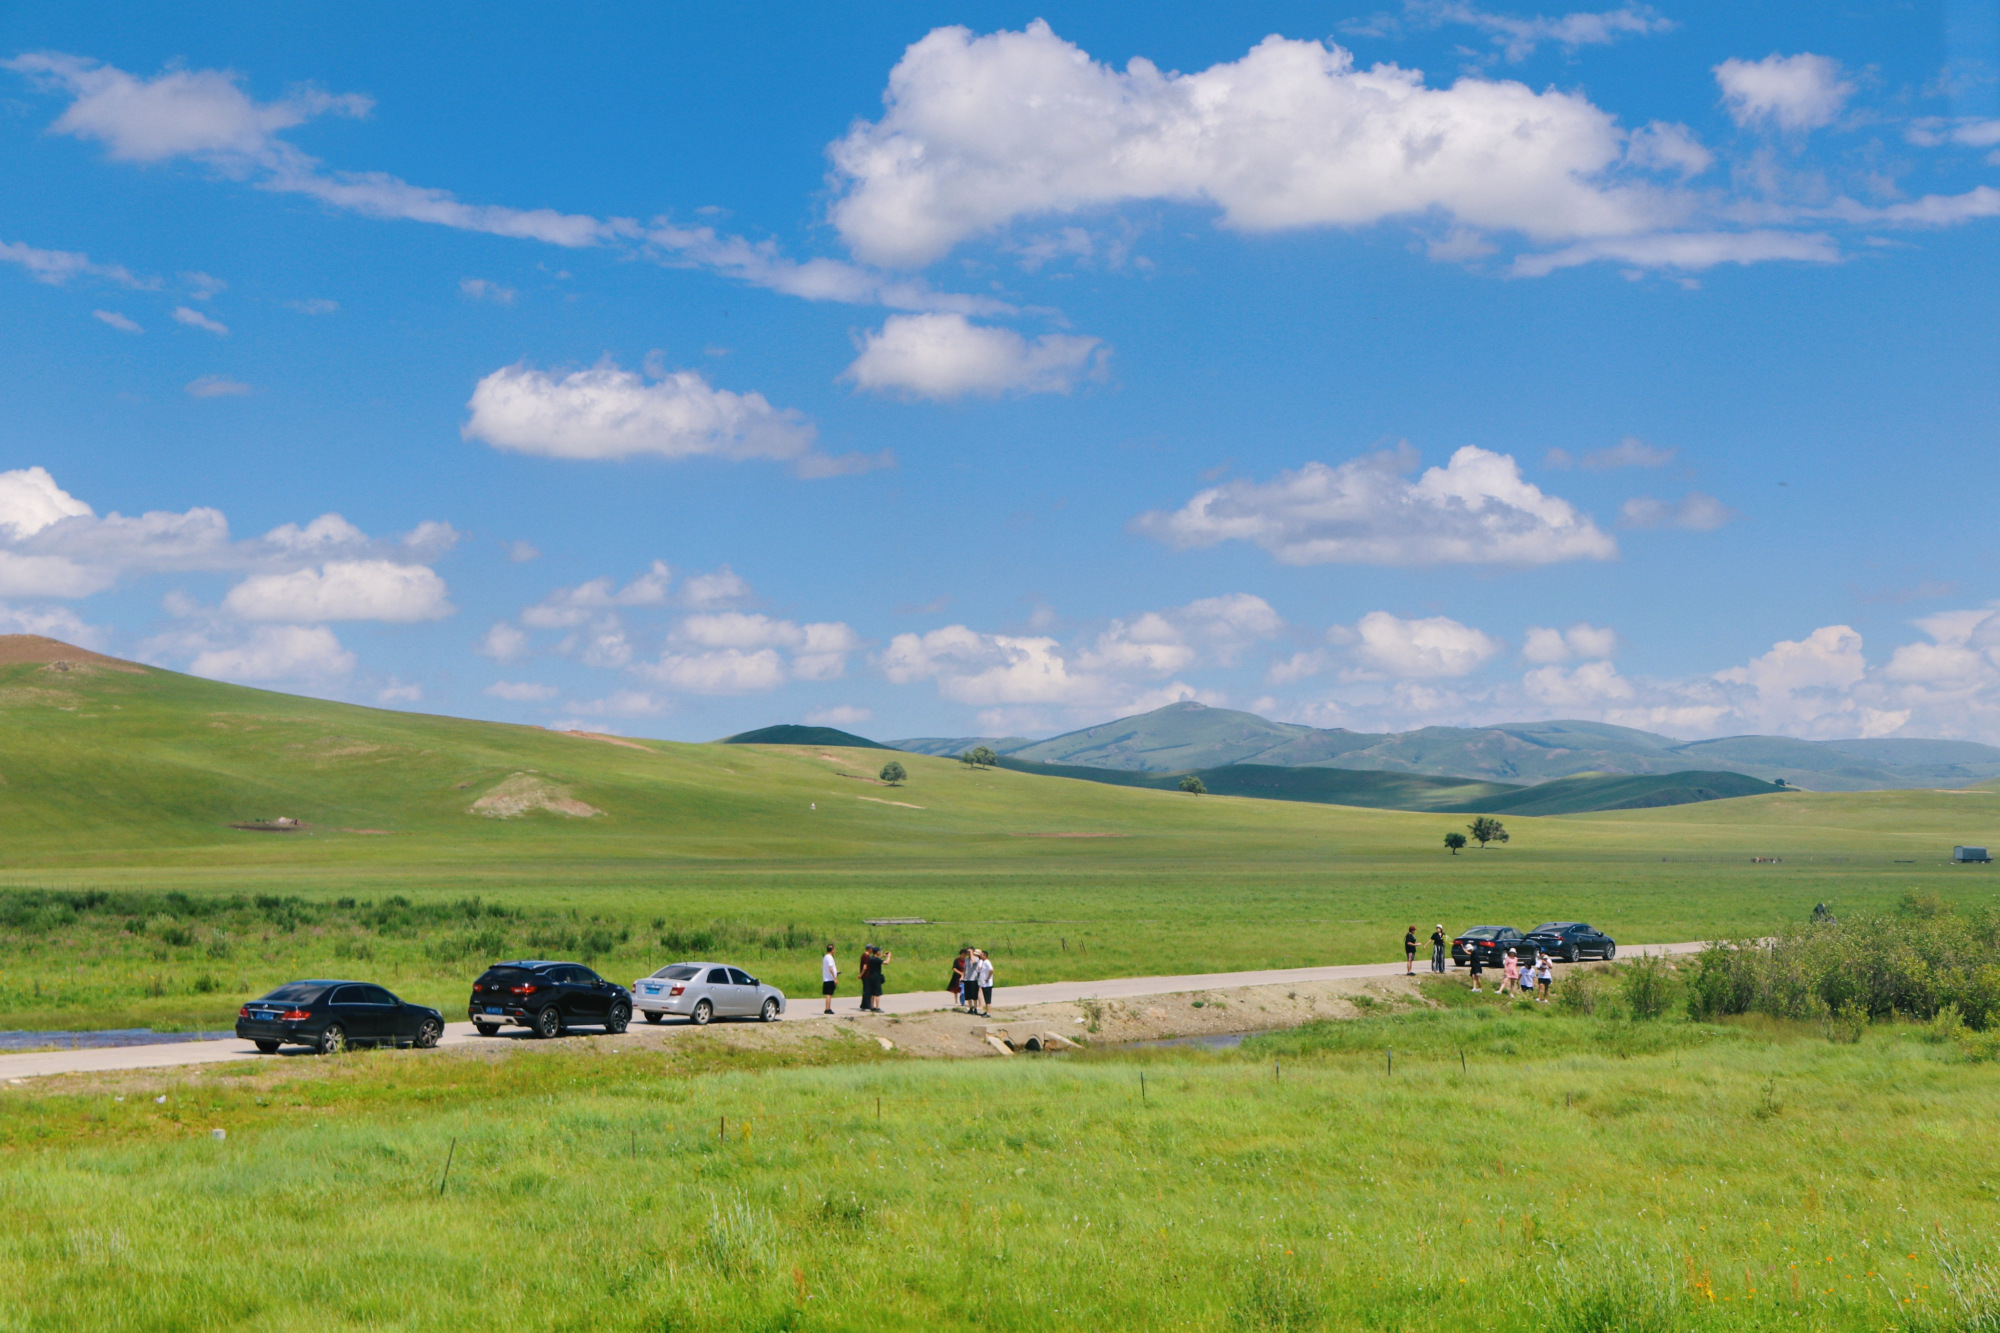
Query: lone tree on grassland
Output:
(893,773)
(1486,829)
(1454,841)
(1194,786)
(979,756)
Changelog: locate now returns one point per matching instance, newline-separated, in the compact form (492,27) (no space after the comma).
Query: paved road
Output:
(34,1064)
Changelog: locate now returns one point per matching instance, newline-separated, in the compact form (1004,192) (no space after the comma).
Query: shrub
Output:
(1648,984)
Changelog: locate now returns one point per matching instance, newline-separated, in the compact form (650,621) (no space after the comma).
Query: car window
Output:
(678,972)
(561,974)
(371,995)
(718,976)
(1547,928)
(1481,932)
(583,976)
(741,978)
(296,993)
(345,995)
(504,976)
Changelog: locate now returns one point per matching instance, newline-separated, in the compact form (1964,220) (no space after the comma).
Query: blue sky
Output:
(991,369)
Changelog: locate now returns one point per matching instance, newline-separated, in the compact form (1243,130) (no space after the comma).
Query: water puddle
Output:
(1208,1041)
(72,1041)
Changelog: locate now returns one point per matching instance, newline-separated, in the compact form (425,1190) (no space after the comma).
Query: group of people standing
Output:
(972,981)
(1516,977)
(971,984)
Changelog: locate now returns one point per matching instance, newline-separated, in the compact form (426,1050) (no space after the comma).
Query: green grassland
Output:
(126,897)
(1520,1169)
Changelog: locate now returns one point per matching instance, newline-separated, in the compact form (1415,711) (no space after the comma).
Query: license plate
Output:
(494,1009)
(265,1015)
(651,990)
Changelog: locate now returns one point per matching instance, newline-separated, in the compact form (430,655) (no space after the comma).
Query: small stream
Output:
(71,1041)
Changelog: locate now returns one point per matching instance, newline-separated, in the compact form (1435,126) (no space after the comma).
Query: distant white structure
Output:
(1960,855)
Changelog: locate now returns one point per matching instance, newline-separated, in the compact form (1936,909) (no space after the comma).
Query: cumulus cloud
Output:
(1689,252)
(1432,648)
(117,320)
(52,622)
(503,643)
(342,590)
(1695,512)
(481,289)
(398,692)
(1475,510)
(980,130)
(948,356)
(1541,644)
(727,671)
(1801,92)
(718,587)
(1593,684)
(839,715)
(194,319)
(609,413)
(730,652)
(279,653)
(566,608)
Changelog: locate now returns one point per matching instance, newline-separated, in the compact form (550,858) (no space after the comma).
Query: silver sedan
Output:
(699,992)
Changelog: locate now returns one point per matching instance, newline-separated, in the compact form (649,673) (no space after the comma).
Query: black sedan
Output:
(1490,944)
(1571,940)
(332,1015)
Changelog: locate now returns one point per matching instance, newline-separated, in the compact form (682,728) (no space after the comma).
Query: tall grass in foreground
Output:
(1573,1174)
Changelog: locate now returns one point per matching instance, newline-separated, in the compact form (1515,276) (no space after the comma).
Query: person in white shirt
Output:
(985,984)
(829,977)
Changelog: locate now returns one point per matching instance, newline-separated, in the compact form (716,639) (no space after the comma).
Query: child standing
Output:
(1510,975)
(1545,977)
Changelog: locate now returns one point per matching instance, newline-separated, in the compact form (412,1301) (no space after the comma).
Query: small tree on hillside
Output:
(979,756)
(1454,841)
(1487,829)
(893,773)
(1194,786)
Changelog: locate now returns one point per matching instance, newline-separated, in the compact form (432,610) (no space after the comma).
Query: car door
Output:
(746,990)
(594,993)
(720,992)
(386,1014)
(361,1020)
(581,1001)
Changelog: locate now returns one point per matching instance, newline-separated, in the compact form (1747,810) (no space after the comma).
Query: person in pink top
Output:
(1510,981)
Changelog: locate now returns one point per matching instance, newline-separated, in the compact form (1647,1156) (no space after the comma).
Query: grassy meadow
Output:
(126,897)
(1520,1168)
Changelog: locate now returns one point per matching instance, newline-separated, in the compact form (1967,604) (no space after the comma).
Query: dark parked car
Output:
(1571,940)
(330,1015)
(1491,943)
(546,998)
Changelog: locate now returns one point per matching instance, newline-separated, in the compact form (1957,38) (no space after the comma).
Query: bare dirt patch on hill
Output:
(524,793)
(19,649)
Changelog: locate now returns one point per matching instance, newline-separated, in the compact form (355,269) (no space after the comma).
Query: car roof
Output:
(1557,925)
(321,981)
(535,962)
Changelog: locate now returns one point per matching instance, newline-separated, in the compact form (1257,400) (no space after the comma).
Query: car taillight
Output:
(295,1015)
(244,1012)
(522,990)
(676,990)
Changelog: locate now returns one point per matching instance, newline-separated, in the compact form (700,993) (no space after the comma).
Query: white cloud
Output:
(719,587)
(1517,38)
(1932,131)
(279,653)
(314,306)
(396,692)
(521,552)
(1541,644)
(328,531)
(619,703)
(566,608)
(194,319)
(1695,511)
(606,412)
(480,289)
(727,671)
(56,267)
(118,321)
(342,590)
(521,691)
(1689,252)
(975,668)
(52,622)
(1801,92)
(1475,510)
(216,386)
(1432,648)
(839,715)
(30,500)
(979,131)
(731,652)
(502,643)
(1594,684)
(203,286)
(1664,146)
(947,356)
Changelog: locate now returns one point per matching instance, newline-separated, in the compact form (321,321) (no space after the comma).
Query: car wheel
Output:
(332,1041)
(486,1029)
(1570,954)
(267,1047)
(548,1023)
(703,1011)
(771,1010)
(620,1016)
(654,1015)
(428,1033)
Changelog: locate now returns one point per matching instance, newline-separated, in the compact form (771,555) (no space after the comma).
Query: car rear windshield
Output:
(299,992)
(1549,926)
(505,976)
(678,972)
(1481,933)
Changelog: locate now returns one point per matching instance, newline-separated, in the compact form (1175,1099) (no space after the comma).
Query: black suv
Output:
(1571,940)
(546,998)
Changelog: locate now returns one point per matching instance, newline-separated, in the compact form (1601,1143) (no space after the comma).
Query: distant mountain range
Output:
(1192,737)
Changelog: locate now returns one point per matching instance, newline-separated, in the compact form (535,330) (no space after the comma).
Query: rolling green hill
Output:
(796,735)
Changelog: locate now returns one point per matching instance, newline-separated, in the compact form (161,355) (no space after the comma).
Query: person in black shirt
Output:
(1437,949)
(872,960)
(1410,952)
